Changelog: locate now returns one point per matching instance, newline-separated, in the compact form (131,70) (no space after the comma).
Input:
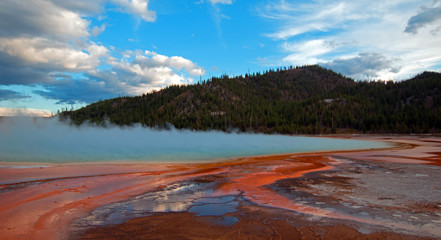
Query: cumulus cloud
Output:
(134,74)
(60,55)
(13,71)
(38,38)
(154,60)
(427,15)
(31,61)
(61,19)
(138,8)
(98,30)
(40,61)
(83,6)
(46,43)
(345,32)
(365,65)
(40,18)
(145,71)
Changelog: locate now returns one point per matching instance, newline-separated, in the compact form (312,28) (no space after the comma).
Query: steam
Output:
(24,139)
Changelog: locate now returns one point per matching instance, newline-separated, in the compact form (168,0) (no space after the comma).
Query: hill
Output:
(301,100)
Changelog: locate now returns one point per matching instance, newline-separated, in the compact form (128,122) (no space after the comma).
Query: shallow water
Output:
(179,197)
(216,206)
(51,141)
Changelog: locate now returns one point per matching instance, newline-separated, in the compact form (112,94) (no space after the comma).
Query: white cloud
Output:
(84,6)
(300,18)
(61,19)
(98,30)
(138,8)
(47,43)
(221,1)
(175,62)
(307,52)
(40,37)
(40,17)
(60,56)
(148,71)
(134,73)
(291,32)
(354,31)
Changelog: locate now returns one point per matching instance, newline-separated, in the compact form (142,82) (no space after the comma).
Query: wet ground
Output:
(190,196)
(192,210)
(405,198)
(345,197)
(379,194)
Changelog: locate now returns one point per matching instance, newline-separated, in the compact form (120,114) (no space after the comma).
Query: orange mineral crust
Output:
(372,194)
(43,208)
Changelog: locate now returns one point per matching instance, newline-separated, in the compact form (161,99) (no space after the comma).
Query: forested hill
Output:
(301,100)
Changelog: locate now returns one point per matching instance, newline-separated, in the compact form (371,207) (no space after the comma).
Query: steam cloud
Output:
(51,141)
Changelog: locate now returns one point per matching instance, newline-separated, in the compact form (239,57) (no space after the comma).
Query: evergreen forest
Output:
(292,100)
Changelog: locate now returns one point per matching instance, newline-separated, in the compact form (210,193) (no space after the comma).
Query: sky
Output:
(57,54)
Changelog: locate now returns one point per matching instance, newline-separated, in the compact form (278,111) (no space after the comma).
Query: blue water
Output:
(222,206)
(50,141)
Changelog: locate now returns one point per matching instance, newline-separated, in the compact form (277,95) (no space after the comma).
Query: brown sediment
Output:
(254,223)
(406,150)
(43,202)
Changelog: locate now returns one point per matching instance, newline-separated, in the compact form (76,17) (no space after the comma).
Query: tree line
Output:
(293,100)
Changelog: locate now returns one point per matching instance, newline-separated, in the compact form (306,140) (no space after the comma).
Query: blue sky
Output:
(58,54)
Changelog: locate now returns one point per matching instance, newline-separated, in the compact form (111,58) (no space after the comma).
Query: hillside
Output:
(301,100)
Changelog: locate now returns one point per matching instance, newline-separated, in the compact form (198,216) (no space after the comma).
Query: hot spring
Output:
(51,141)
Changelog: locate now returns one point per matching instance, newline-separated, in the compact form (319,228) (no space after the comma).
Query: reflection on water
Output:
(215,206)
(174,198)
(186,196)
